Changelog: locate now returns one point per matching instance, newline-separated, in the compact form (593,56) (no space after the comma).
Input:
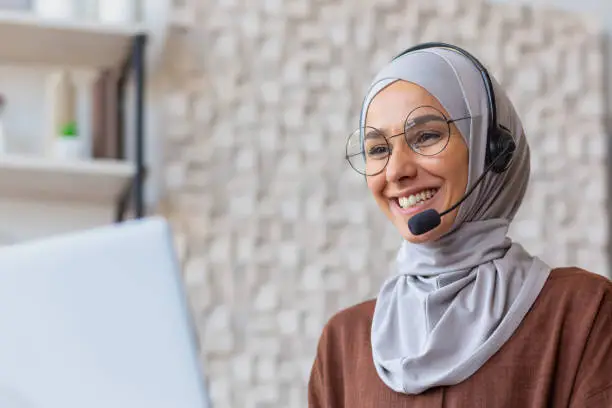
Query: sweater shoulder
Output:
(349,323)
(579,283)
(356,314)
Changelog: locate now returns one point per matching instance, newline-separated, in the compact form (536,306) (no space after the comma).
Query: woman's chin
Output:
(428,236)
(402,225)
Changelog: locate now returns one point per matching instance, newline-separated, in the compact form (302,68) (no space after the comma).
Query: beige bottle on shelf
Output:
(62,139)
(3,149)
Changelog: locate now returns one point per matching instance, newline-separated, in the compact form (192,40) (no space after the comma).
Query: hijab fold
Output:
(451,304)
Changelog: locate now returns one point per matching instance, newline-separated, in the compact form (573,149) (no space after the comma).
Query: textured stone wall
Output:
(276,232)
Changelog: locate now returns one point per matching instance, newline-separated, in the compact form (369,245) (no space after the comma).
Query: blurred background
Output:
(230,117)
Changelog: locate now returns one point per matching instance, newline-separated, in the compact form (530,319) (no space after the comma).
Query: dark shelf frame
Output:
(134,64)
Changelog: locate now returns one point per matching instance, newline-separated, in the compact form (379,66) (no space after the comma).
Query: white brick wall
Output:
(277,233)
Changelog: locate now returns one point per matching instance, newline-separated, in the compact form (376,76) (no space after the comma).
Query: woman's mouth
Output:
(414,202)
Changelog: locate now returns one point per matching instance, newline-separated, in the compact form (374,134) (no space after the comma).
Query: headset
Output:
(500,143)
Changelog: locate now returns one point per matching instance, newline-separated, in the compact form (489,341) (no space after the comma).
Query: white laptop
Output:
(97,319)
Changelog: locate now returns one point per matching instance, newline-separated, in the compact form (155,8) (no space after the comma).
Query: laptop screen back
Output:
(97,319)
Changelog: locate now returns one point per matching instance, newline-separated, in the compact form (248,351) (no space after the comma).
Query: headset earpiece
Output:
(501,143)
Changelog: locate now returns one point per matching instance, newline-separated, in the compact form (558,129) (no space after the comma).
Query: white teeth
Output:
(414,199)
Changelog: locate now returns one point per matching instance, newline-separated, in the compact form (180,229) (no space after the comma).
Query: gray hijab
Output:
(453,303)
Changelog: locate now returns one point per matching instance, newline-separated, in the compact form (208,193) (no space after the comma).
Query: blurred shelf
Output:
(30,39)
(93,181)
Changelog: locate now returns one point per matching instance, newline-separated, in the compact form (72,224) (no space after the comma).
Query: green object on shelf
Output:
(69,131)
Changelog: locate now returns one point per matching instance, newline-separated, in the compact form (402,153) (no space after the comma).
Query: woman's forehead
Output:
(450,79)
(390,108)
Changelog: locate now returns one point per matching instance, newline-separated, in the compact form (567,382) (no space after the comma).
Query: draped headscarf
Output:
(454,302)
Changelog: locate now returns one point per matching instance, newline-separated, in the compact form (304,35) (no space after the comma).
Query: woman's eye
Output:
(377,151)
(427,138)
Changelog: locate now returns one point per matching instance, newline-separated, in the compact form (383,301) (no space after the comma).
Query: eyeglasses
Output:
(426,131)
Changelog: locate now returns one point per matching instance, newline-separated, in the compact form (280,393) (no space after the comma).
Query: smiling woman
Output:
(468,317)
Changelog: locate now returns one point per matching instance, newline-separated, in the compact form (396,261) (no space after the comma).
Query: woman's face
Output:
(413,182)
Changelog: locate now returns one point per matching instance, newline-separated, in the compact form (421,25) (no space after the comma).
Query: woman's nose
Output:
(401,164)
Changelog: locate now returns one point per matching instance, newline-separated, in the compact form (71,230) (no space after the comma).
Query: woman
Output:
(469,318)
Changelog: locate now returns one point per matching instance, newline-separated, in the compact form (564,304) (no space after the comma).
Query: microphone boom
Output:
(429,219)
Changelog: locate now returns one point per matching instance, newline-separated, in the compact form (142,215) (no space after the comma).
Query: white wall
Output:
(597,9)
(600,8)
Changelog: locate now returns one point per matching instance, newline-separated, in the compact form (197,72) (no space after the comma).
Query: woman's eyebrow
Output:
(419,120)
(380,132)
(373,134)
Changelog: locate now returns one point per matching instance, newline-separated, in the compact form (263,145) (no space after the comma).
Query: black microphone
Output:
(429,219)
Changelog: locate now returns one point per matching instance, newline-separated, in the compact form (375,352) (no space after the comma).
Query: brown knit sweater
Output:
(560,356)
